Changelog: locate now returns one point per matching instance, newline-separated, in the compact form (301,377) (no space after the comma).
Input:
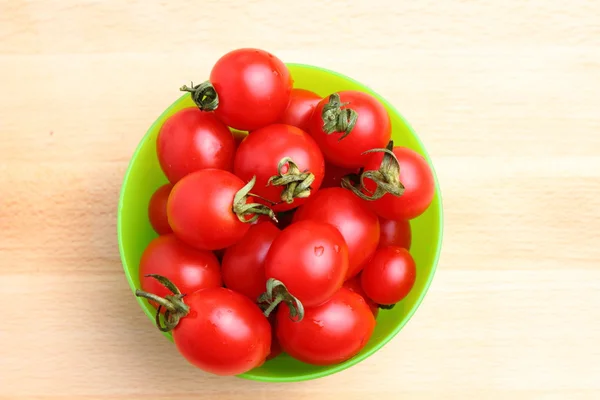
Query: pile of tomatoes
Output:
(285,223)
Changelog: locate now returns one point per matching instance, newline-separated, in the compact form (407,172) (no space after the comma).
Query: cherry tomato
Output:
(243,265)
(334,174)
(390,275)
(355,285)
(192,140)
(203,212)
(188,268)
(395,233)
(217,330)
(157,210)
(252,88)
(330,333)
(268,149)
(358,225)
(300,108)
(342,140)
(416,177)
(311,259)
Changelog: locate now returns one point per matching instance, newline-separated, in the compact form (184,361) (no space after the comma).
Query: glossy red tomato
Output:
(188,268)
(311,259)
(192,140)
(300,108)
(328,334)
(243,265)
(265,149)
(253,89)
(157,210)
(355,285)
(334,174)
(395,233)
(217,330)
(358,225)
(342,140)
(416,177)
(203,212)
(390,275)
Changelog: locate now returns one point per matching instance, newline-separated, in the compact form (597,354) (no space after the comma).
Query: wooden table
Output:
(506,98)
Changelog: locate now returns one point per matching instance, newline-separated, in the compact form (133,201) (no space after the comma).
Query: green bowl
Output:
(144,176)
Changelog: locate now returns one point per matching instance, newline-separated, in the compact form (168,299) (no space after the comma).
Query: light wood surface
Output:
(505,95)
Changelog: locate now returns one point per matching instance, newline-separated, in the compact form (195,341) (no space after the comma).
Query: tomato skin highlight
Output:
(395,233)
(253,86)
(188,268)
(191,140)
(243,265)
(260,153)
(372,130)
(300,108)
(157,210)
(351,216)
(390,275)
(354,285)
(200,209)
(224,332)
(418,181)
(311,259)
(330,333)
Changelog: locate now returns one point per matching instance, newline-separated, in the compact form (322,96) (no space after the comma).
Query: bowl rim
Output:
(386,339)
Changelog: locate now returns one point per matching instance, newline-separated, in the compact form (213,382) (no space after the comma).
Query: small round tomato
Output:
(355,285)
(413,172)
(216,329)
(286,161)
(157,210)
(358,225)
(248,89)
(311,259)
(209,209)
(348,123)
(395,233)
(243,265)
(390,275)
(330,333)
(300,108)
(192,140)
(188,268)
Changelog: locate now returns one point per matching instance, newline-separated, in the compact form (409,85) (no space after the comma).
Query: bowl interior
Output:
(144,176)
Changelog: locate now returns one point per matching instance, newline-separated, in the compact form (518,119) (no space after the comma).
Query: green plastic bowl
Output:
(144,176)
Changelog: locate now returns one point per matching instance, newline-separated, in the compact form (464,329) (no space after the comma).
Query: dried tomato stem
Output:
(254,210)
(175,307)
(204,95)
(296,183)
(336,119)
(275,294)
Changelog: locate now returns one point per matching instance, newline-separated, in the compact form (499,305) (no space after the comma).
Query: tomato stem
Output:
(296,183)
(174,304)
(204,95)
(275,294)
(243,209)
(386,178)
(336,119)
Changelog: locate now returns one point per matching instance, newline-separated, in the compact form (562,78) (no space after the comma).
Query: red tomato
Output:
(300,108)
(348,123)
(188,268)
(204,213)
(416,177)
(217,330)
(354,285)
(250,89)
(311,259)
(243,265)
(265,149)
(334,174)
(331,333)
(358,225)
(390,275)
(157,210)
(395,233)
(192,140)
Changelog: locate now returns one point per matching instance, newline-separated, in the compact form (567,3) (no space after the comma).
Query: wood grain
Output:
(506,97)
